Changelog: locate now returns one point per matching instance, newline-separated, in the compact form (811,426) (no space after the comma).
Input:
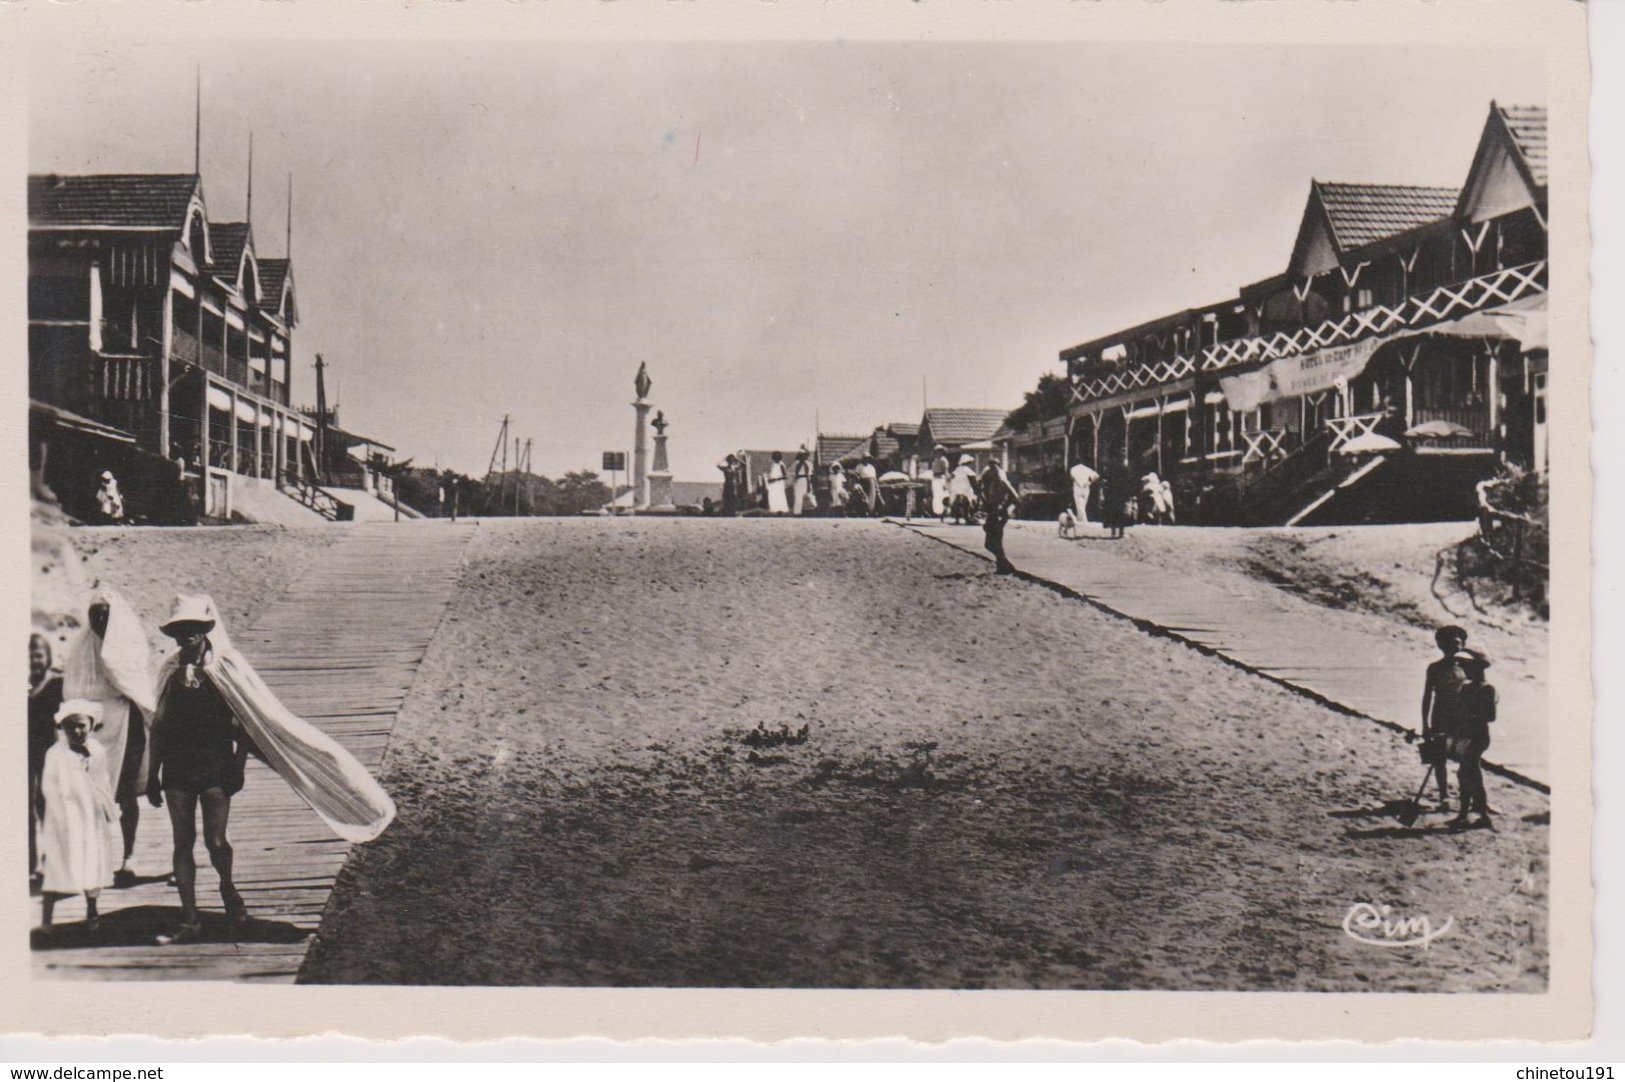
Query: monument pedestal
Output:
(660,497)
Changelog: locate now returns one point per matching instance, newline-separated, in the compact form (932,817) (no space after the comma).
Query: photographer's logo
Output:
(1380,926)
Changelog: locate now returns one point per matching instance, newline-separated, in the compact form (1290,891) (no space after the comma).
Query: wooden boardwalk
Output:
(341,648)
(1373,675)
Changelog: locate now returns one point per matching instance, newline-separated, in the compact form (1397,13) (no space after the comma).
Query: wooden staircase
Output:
(318,499)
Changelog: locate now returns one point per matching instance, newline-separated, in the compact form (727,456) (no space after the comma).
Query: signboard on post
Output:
(614,461)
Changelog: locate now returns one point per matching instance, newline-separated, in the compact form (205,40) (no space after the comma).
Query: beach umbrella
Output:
(893,477)
(1368,444)
(1438,430)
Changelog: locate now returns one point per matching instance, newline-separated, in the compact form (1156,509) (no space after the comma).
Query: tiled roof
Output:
(833,446)
(1364,213)
(226,243)
(273,273)
(956,426)
(885,445)
(903,429)
(757,463)
(135,200)
(1527,123)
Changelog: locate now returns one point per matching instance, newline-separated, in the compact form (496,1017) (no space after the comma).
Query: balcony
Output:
(126,378)
(1414,313)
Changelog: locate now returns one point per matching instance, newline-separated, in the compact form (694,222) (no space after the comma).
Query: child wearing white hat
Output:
(76,845)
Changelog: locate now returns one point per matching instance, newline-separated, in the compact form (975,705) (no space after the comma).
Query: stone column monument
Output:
(640,440)
(660,498)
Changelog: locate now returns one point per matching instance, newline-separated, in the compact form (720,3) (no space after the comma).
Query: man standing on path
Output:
(999,499)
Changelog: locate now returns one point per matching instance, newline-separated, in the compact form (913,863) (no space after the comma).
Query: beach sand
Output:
(1382,580)
(243,568)
(1000,788)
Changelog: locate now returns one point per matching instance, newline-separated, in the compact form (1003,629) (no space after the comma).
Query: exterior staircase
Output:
(318,499)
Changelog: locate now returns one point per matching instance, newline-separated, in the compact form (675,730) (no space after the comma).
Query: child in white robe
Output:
(76,843)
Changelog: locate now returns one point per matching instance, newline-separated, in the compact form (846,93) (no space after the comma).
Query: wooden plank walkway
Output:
(341,648)
(1365,673)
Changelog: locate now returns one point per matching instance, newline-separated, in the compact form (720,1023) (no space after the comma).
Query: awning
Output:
(219,400)
(979,445)
(66,419)
(245,412)
(306,434)
(1139,412)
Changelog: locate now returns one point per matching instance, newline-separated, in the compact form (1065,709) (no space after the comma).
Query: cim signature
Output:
(1376,926)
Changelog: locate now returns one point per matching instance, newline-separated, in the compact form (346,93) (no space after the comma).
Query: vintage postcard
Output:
(666,520)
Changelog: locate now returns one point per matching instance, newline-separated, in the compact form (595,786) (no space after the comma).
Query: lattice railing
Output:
(1344,429)
(1445,302)
(1263,446)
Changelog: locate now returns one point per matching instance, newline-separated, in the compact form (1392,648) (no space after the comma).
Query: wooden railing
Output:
(1264,446)
(127,379)
(184,347)
(316,498)
(1444,303)
(1344,429)
(1473,417)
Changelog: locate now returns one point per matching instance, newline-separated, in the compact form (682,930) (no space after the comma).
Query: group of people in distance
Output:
(108,731)
(785,490)
(1119,499)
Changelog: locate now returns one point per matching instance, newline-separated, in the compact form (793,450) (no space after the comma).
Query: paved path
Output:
(1364,673)
(341,648)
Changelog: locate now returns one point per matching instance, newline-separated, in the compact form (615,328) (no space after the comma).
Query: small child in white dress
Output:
(76,843)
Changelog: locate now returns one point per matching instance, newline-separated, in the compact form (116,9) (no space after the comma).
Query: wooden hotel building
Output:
(1396,360)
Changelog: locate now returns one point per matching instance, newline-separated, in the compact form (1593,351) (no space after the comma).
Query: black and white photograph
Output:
(823,514)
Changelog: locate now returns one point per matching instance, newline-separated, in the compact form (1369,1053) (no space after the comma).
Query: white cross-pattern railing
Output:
(1345,429)
(1262,446)
(1148,375)
(1445,302)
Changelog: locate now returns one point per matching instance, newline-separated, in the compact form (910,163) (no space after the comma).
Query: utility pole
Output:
(321,419)
(502,449)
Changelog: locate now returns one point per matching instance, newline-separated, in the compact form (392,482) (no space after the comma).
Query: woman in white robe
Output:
(777,502)
(837,486)
(109,663)
(1083,483)
(76,843)
(962,489)
(801,483)
(940,469)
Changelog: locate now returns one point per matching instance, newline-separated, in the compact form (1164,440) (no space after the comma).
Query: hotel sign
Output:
(1298,375)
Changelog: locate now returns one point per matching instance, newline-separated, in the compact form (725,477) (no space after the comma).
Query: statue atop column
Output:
(640,439)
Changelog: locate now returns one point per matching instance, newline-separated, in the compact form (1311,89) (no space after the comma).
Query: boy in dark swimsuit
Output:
(1441,692)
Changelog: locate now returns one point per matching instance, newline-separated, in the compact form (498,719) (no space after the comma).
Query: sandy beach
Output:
(999,788)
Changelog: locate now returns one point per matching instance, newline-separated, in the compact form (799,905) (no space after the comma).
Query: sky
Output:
(789,235)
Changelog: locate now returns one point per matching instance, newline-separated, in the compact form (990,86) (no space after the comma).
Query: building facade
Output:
(147,317)
(1409,320)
